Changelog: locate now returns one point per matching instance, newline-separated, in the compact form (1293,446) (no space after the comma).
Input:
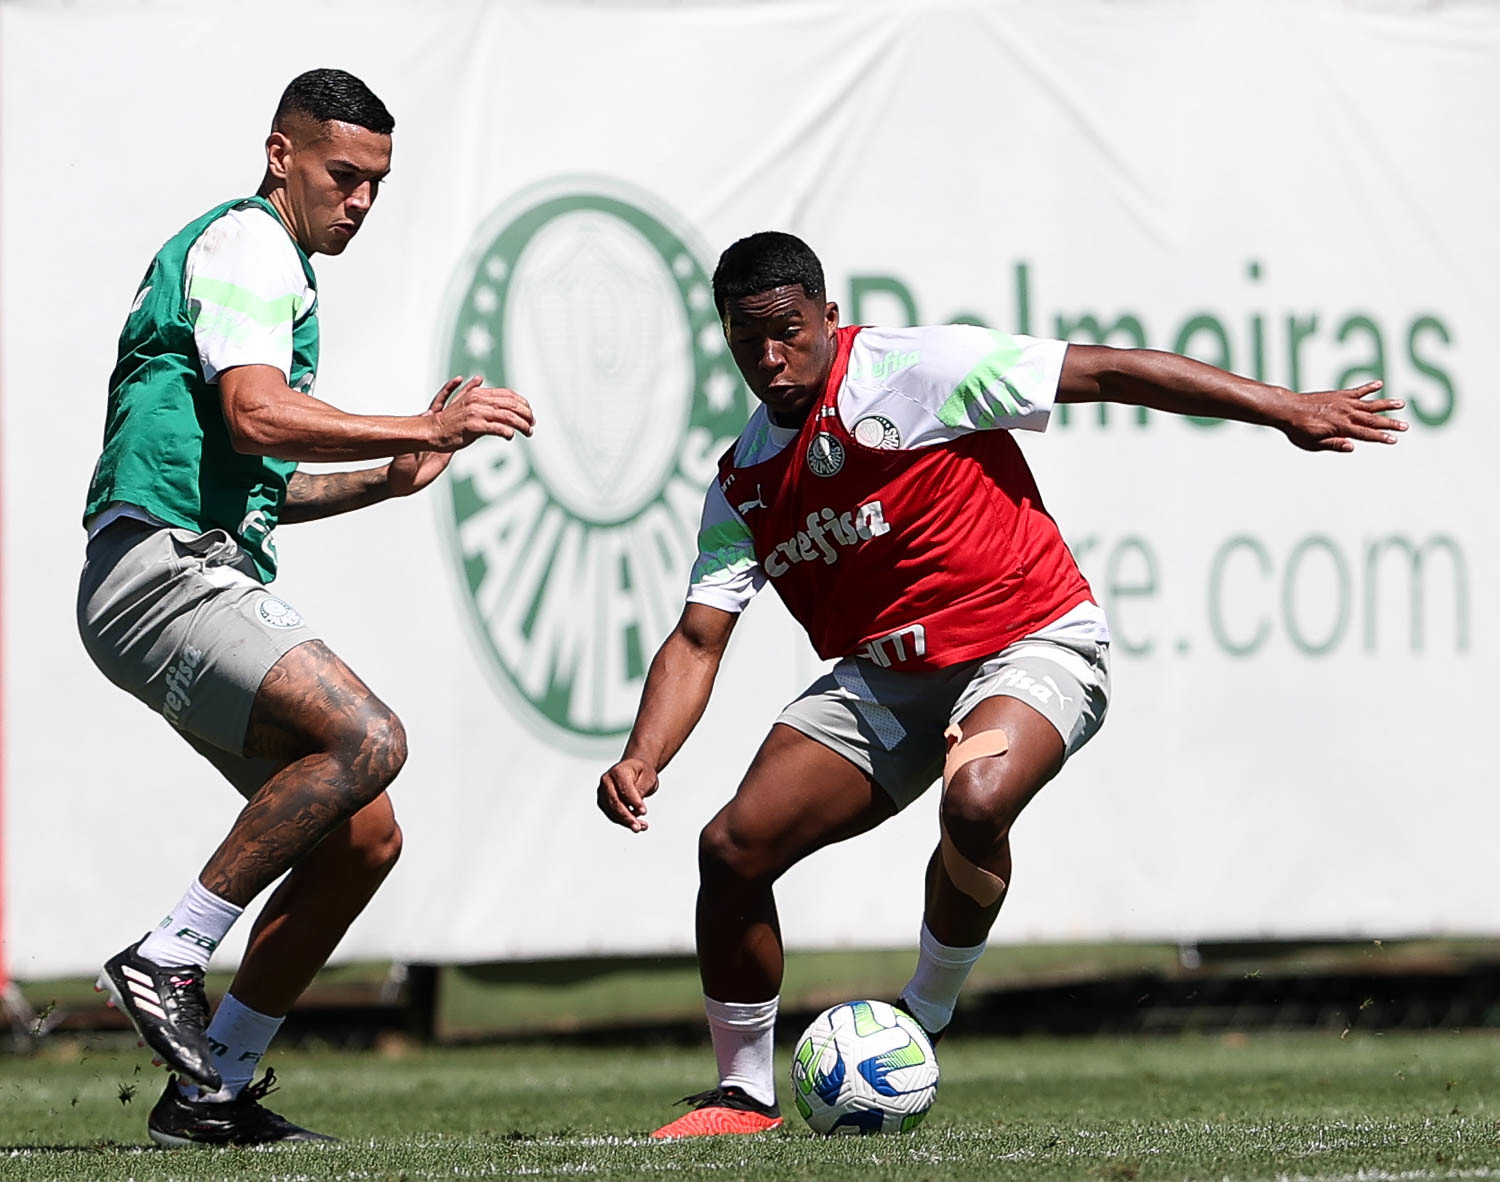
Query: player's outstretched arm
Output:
(267,417)
(310,496)
(1327,420)
(677,689)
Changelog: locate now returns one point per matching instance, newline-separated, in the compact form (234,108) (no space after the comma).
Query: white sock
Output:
(742,1034)
(941,972)
(239,1037)
(192,930)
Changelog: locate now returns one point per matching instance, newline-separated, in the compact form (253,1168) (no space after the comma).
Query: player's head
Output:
(781,329)
(328,151)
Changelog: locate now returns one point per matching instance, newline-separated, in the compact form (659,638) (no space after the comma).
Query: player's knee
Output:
(976,806)
(392,746)
(379,851)
(370,844)
(382,750)
(726,854)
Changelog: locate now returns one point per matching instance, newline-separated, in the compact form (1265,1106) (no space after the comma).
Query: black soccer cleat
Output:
(905,1007)
(177,1122)
(168,1008)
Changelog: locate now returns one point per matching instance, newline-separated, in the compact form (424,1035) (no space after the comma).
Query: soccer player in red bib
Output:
(878,489)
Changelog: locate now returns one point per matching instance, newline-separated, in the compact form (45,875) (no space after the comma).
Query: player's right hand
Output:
(623,791)
(476,410)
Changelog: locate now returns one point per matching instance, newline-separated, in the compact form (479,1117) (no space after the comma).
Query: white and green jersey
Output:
(231,288)
(900,522)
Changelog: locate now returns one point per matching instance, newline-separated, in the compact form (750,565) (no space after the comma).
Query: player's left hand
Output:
(415,470)
(1334,420)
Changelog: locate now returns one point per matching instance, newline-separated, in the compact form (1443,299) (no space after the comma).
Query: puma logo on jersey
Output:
(826,533)
(759,503)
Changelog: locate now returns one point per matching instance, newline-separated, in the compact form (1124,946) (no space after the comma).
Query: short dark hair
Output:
(328,96)
(763,261)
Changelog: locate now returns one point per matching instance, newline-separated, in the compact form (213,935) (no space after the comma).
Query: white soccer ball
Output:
(864,1067)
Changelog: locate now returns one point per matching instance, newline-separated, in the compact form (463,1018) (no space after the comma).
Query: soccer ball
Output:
(864,1067)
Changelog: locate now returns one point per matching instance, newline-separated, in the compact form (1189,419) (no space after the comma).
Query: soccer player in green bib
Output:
(211,408)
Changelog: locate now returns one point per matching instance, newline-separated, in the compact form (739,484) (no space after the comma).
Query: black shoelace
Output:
(187,989)
(722,1096)
(256,1092)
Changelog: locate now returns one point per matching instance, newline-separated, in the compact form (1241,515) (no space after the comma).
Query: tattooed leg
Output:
(307,915)
(341,746)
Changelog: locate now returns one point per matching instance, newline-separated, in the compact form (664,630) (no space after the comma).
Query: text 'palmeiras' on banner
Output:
(574,547)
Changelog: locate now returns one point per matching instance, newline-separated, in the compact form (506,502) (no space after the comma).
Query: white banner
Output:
(1303,671)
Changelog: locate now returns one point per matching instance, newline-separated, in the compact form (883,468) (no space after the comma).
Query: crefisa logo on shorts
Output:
(574,547)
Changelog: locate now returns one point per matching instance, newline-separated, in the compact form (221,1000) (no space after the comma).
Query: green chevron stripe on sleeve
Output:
(986,393)
(722,536)
(281,310)
(726,548)
(720,562)
(229,325)
(729,561)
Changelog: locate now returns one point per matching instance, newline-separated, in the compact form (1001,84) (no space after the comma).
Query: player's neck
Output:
(276,196)
(790,422)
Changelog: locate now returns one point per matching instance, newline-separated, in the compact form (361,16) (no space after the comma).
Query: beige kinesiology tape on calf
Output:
(984,887)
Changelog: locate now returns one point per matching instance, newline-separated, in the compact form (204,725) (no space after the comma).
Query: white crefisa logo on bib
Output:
(277,613)
(574,546)
(825,455)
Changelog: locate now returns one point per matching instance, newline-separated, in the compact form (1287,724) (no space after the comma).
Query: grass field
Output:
(1305,1106)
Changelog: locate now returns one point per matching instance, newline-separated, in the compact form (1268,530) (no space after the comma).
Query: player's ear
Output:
(278,154)
(831,315)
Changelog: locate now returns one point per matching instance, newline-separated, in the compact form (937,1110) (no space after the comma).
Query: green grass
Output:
(1412,1107)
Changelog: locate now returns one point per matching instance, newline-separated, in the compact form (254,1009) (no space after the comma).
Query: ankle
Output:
(743,1035)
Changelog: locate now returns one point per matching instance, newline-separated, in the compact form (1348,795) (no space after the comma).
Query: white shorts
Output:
(890,724)
(179,620)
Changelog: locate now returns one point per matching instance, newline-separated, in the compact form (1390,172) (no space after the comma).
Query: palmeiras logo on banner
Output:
(575,545)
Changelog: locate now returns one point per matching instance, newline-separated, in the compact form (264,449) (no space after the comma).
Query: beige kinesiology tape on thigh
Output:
(975,881)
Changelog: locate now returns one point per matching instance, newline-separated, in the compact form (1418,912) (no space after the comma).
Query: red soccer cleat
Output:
(721,1111)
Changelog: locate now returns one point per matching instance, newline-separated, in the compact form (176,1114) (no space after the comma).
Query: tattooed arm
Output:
(309,497)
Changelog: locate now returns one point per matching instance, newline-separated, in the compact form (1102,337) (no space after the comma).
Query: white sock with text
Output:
(192,930)
(743,1033)
(239,1037)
